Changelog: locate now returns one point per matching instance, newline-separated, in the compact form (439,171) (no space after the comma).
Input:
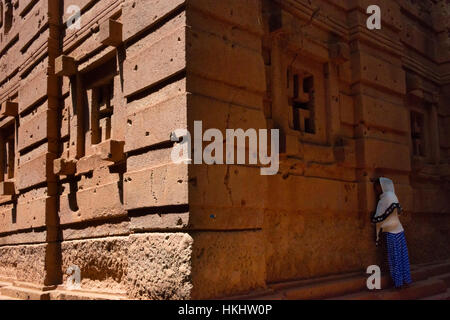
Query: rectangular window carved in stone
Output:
(102,111)
(97,101)
(301,100)
(418,133)
(8,16)
(7,149)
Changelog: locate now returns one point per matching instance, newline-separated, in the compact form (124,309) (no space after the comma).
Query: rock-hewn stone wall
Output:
(88,107)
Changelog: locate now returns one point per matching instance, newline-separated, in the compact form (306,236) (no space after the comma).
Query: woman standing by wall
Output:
(387,222)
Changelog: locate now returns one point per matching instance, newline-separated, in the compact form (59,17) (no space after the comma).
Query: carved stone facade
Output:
(89,104)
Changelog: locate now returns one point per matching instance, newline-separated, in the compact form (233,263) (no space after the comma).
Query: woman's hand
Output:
(377,238)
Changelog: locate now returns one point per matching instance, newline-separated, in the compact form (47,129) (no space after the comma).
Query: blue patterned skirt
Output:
(398,258)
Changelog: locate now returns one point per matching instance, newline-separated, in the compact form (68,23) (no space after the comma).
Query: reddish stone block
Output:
(110,33)
(169,58)
(347,108)
(224,112)
(111,150)
(340,52)
(65,66)
(9,109)
(212,218)
(161,186)
(385,155)
(7,188)
(89,204)
(6,220)
(207,49)
(291,145)
(228,186)
(33,213)
(32,90)
(38,128)
(64,167)
(373,112)
(36,171)
(339,154)
(243,14)
(65,117)
(160,221)
(12,57)
(140,15)
(33,23)
(155,124)
(375,71)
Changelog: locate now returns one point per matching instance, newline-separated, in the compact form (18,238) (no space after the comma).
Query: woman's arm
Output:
(378,230)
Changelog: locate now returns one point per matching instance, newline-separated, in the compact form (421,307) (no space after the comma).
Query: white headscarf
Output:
(388,201)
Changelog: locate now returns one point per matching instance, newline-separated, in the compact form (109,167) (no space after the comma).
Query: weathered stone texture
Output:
(161,186)
(87,116)
(103,263)
(228,262)
(160,266)
(23,263)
